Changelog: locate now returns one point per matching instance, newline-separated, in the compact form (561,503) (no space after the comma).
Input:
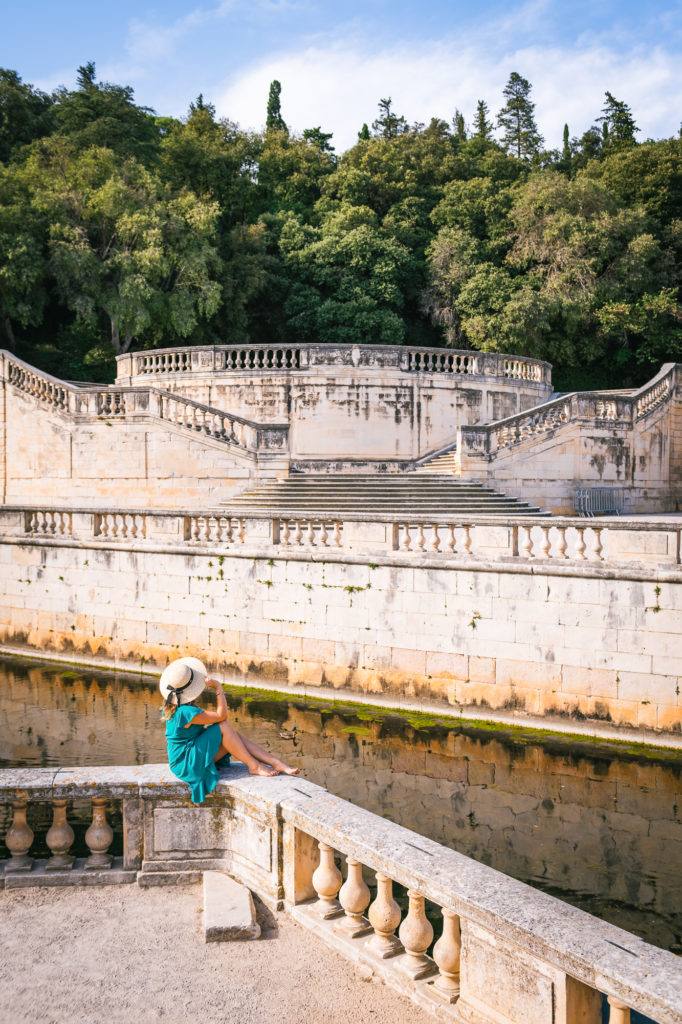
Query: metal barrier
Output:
(599,501)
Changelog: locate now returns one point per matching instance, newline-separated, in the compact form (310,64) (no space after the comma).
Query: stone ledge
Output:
(79,875)
(229,912)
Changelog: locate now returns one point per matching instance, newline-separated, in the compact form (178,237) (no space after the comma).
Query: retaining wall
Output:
(546,635)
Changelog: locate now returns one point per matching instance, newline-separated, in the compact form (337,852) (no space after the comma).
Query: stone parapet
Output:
(508,953)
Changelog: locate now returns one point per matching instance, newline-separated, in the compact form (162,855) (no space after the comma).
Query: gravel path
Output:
(125,955)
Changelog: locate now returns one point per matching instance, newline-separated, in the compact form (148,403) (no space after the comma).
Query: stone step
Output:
(229,912)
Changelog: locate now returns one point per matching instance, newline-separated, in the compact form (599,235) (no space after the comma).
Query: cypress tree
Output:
(483,128)
(274,120)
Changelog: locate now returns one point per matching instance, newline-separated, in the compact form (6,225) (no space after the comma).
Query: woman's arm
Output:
(212,717)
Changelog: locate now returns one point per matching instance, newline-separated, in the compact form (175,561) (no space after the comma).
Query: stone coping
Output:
(599,954)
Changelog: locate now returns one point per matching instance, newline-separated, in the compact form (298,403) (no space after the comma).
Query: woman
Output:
(199,742)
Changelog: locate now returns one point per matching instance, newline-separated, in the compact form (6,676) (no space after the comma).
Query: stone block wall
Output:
(587,643)
(53,456)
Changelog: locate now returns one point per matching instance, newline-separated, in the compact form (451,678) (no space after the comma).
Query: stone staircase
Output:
(414,495)
(445,463)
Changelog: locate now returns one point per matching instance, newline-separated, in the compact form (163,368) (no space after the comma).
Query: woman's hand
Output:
(213,684)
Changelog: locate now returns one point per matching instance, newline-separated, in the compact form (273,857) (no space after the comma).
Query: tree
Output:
(22,259)
(483,128)
(618,123)
(363,134)
(459,125)
(25,114)
(517,119)
(316,137)
(274,122)
(101,114)
(122,246)
(389,125)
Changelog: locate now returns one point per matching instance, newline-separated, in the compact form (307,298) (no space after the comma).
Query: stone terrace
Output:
(122,954)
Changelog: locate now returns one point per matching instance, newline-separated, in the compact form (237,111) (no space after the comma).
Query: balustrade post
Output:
(19,838)
(354,897)
(384,917)
(99,836)
(446,953)
(327,882)
(59,839)
(416,935)
(619,1013)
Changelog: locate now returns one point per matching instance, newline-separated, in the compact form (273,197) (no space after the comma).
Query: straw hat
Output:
(182,681)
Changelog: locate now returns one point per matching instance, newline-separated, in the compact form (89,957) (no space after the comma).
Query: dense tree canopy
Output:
(122,228)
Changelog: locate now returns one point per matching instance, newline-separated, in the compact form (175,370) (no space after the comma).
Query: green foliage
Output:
(121,228)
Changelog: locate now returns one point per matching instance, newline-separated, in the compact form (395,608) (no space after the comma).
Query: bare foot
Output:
(285,769)
(258,768)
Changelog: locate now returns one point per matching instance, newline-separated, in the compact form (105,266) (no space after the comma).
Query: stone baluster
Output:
(354,897)
(545,542)
(619,1013)
(416,935)
(99,836)
(19,838)
(435,538)
(285,531)
(451,541)
(384,917)
(561,543)
(337,533)
(59,839)
(597,548)
(446,953)
(467,539)
(324,536)
(527,542)
(406,543)
(194,528)
(298,534)
(310,534)
(421,539)
(580,544)
(327,882)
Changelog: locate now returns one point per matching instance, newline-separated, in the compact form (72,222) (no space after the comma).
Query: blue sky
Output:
(335,60)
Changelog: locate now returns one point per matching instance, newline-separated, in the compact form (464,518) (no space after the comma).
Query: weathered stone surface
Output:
(229,911)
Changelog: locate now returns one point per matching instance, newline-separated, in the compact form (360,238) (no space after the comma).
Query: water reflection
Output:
(597,829)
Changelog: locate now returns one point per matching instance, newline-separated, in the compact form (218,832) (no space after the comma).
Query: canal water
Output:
(595,824)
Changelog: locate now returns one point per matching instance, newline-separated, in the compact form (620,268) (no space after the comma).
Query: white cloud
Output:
(339,85)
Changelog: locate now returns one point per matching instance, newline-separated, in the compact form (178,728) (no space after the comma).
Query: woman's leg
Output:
(232,743)
(262,755)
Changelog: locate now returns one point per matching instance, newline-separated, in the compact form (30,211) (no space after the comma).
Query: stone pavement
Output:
(127,955)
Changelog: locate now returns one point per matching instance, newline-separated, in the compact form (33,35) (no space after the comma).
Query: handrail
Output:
(301,357)
(114,401)
(558,544)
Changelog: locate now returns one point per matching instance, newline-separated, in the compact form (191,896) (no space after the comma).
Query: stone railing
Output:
(243,358)
(505,953)
(557,541)
(610,409)
(107,403)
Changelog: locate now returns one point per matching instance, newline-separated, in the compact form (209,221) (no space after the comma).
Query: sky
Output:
(335,60)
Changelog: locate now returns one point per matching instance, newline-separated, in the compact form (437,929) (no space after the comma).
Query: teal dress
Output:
(191,751)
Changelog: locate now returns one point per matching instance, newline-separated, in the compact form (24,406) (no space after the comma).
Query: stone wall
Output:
(586,440)
(67,446)
(539,639)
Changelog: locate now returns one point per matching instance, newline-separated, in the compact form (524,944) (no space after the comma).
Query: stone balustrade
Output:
(130,403)
(570,542)
(597,408)
(505,952)
(250,358)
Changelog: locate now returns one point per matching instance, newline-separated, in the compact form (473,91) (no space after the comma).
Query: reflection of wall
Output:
(592,827)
